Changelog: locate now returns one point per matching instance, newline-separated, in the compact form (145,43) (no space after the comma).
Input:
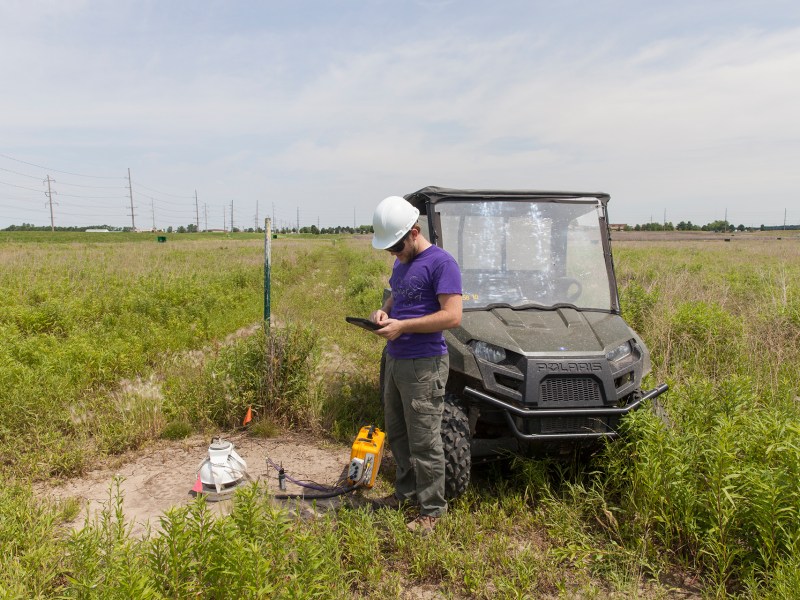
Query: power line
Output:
(90,187)
(138,193)
(93,197)
(138,185)
(94,187)
(90,213)
(22,187)
(183,214)
(174,207)
(88,205)
(18,173)
(57,170)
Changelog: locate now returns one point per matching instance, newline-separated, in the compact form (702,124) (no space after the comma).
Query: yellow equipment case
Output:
(366,455)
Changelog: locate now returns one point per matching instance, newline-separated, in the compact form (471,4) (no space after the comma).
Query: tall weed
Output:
(32,544)
(255,552)
(720,487)
(270,371)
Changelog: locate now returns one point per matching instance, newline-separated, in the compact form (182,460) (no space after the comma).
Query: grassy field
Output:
(113,341)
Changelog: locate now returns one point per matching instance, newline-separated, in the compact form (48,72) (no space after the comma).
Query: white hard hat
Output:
(393,218)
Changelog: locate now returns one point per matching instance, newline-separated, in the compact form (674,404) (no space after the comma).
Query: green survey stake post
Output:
(267,261)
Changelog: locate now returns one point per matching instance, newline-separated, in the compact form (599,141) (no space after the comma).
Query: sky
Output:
(316,110)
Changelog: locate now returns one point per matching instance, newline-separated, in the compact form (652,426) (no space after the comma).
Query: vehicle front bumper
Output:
(511,411)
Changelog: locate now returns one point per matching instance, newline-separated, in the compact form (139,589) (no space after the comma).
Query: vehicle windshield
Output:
(522,252)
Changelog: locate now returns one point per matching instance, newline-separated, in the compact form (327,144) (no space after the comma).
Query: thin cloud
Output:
(690,121)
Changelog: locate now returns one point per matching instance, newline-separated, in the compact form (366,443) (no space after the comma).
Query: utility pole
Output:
(130,190)
(196,211)
(153,208)
(231,216)
(53,224)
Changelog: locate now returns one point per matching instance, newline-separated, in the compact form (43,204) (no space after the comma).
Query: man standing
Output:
(425,300)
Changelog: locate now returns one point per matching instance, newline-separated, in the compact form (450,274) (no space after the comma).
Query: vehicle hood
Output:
(563,331)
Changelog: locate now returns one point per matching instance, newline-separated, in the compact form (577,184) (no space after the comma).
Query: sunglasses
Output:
(398,247)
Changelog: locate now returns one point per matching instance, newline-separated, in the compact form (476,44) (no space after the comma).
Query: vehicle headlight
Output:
(620,352)
(488,352)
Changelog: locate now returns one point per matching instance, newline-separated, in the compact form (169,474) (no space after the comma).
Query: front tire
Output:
(456,445)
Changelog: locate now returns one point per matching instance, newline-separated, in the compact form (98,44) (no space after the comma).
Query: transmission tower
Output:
(130,190)
(49,194)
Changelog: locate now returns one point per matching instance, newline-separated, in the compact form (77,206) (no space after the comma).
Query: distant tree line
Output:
(333,230)
(719,226)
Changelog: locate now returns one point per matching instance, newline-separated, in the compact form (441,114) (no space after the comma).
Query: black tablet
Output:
(365,323)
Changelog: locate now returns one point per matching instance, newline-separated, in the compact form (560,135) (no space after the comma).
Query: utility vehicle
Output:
(543,361)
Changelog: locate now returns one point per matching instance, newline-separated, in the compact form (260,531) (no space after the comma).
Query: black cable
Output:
(306,483)
(323,493)
(321,496)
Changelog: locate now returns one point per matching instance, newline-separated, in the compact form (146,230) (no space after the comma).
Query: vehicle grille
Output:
(567,425)
(557,390)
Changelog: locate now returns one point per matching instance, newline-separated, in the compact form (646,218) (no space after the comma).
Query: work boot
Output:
(423,524)
(391,502)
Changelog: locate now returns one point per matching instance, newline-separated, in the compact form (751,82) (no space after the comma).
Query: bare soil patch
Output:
(161,476)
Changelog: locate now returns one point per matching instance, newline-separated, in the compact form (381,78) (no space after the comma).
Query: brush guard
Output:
(510,412)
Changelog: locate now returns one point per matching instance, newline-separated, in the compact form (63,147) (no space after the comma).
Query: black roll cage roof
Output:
(433,194)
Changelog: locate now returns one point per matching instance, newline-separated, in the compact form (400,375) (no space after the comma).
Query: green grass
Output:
(110,345)
(719,489)
(84,325)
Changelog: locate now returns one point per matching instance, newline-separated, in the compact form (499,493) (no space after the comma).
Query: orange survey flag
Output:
(248,417)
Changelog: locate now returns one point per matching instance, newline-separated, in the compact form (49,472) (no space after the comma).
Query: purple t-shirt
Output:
(415,289)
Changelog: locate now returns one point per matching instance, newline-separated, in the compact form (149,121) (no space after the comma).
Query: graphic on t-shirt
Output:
(411,290)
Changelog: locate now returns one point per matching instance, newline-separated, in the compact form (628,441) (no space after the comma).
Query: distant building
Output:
(618,226)
(97,231)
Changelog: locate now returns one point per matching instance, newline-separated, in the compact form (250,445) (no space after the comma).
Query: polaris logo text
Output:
(569,367)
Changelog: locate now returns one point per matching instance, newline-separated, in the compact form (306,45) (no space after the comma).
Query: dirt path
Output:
(161,476)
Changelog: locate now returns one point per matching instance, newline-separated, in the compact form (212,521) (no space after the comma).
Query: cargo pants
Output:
(413,396)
